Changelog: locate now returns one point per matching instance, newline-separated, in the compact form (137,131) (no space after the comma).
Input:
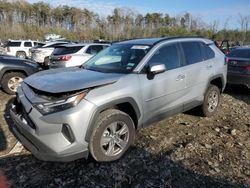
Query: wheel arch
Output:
(127,105)
(218,81)
(6,71)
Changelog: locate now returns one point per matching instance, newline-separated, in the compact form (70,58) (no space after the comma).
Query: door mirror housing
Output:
(157,68)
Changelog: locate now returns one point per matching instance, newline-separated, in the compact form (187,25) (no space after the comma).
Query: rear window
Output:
(62,50)
(39,45)
(242,53)
(192,52)
(53,45)
(13,44)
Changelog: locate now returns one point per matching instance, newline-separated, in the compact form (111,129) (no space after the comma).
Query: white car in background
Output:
(73,55)
(19,48)
(41,55)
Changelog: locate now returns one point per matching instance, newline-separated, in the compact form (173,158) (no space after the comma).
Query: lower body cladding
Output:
(239,79)
(54,137)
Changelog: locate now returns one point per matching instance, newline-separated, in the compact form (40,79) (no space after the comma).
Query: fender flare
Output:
(111,104)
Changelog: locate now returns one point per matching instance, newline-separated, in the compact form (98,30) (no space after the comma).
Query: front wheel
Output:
(114,132)
(11,81)
(21,55)
(211,101)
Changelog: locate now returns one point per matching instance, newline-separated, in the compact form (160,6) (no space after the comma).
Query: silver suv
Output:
(63,114)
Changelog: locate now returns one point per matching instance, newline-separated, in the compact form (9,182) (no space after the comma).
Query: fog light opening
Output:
(67,133)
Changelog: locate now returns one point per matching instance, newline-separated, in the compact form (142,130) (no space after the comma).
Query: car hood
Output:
(69,79)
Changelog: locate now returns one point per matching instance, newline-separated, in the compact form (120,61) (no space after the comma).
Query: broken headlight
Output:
(59,105)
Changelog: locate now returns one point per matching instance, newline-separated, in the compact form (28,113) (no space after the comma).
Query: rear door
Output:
(162,95)
(198,70)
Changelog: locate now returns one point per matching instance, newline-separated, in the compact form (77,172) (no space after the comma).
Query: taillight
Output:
(64,58)
(248,68)
(226,60)
(227,52)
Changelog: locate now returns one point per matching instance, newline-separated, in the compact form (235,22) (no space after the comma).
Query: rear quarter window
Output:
(207,52)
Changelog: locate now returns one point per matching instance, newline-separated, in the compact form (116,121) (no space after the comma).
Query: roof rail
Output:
(160,38)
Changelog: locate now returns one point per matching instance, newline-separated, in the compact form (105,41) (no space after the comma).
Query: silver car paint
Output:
(167,92)
(69,79)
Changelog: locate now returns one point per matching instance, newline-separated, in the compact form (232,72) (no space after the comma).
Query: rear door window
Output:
(63,50)
(94,49)
(192,52)
(27,44)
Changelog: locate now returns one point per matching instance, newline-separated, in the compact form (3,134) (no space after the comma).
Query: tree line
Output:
(20,19)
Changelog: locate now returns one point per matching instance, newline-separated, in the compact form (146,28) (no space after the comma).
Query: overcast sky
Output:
(225,11)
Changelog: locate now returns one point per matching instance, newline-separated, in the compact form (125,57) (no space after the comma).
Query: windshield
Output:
(118,58)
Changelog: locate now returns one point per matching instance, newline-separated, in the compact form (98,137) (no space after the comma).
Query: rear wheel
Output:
(11,81)
(113,134)
(21,55)
(211,101)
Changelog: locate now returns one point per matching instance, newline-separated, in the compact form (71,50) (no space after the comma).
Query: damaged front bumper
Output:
(55,137)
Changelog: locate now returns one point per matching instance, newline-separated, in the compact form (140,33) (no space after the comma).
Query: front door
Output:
(162,95)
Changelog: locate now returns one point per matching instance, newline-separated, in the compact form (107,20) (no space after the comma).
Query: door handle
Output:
(180,77)
(209,66)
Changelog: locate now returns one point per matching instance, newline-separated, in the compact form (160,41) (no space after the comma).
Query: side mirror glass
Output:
(157,68)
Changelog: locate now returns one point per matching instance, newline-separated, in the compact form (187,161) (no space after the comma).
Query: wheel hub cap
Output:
(213,101)
(14,82)
(115,138)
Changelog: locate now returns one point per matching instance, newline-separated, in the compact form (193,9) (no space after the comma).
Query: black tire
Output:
(21,55)
(7,78)
(46,62)
(207,109)
(103,122)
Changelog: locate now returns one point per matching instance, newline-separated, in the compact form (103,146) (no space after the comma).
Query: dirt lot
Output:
(183,151)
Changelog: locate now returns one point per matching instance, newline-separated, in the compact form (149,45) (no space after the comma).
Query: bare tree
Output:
(244,21)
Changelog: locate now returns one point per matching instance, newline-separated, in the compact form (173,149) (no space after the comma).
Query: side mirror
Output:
(157,68)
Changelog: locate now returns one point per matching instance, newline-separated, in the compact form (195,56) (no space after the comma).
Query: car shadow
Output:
(9,122)
(239,92)
(3,142)
(138,168)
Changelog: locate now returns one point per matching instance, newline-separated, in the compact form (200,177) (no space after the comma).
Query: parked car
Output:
(12,72)
(19,48)
(38,45)
(72,55)
(239,66)
(41,54)
(63,114)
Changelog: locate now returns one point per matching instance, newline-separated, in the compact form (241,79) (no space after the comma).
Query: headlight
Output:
(60,105)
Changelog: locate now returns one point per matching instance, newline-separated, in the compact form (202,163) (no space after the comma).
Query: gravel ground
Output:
(186,150)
